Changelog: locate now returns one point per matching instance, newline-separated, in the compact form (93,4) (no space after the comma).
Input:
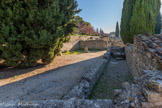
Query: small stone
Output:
(160,44)
(86,50)
(117,92)
(125,85)
(132,104)
(148,34)
(153,45)
(157,41)
(155,85)
(131,99)
(159,50)
(144,38)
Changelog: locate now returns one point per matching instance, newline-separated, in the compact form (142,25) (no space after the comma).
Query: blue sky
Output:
(102,13)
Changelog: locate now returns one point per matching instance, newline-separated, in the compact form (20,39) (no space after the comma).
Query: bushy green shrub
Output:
(31,30)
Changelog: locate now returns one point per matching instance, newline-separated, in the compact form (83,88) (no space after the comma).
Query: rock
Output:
(153,38)
(155,85)
(160,44)
(158,41)
(60,54)
(117,92)
(153,45)
(159,50)
(125,85)
(147,34)
(144,38)
(152,97)
(86,50)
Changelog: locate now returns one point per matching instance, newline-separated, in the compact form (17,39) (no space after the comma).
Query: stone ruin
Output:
(144,59)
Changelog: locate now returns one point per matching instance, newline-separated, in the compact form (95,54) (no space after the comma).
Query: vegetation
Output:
(75,52)
(158,24)
(34,29)
(138,17)
(117,32)
(84,28)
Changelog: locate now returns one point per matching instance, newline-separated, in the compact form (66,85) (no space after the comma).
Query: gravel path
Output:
(46,82)
(116,72)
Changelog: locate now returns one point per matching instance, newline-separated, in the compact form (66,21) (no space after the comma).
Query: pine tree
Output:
(117,30)
(138,17)
(33,30)
(158,24)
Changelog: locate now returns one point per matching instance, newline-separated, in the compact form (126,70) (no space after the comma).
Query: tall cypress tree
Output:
(117,30)
(34,30)
(125,20)
(158,24)
(142,16)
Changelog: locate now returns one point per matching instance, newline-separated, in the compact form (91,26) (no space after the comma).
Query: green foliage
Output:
(138,17)
(158,24)
(75,52)
(34,29)
(117,32)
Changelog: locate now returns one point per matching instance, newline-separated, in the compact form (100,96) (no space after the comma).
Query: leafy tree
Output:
(138,17)
(158,24)
(34,30)
(83,27)
(117,30)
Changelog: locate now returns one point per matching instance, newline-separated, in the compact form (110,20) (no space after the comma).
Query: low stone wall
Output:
(84,88)
(94,44)
(74,44)
(144,54)
(116,42)
(129,59)
(71,103)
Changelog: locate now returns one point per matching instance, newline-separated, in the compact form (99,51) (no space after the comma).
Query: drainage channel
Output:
(116,72)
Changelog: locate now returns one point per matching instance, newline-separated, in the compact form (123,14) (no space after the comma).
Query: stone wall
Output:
(146,54)
(73,44)
(94,44)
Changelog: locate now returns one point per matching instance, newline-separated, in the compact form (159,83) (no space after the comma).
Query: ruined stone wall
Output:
(117,42)
(73,44)
(129,59)
(146,54)
(94,44)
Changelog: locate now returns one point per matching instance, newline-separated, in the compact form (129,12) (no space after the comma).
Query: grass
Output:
(75,52)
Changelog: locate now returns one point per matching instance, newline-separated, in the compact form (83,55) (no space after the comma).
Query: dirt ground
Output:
(46,82)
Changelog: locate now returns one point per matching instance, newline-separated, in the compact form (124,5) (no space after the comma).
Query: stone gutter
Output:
(88,80)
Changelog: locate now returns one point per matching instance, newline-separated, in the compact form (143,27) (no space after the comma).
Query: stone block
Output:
(152,97)
(155,85)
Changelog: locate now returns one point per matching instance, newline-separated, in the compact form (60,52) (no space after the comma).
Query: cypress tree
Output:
(142,17)
(158,24)
(117,30)
(125,20)
(34,30)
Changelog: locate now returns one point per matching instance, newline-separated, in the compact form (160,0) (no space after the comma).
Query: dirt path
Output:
(116,72)
(51,81)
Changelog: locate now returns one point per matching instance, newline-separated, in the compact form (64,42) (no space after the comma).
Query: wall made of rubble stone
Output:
(145,54)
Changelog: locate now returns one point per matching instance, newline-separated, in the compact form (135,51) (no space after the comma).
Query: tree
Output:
(158,24)
(138,17)
(117,30)
(34,30)
(101,32)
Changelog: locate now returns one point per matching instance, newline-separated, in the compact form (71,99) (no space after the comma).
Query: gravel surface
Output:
(115,73)
(46,82)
